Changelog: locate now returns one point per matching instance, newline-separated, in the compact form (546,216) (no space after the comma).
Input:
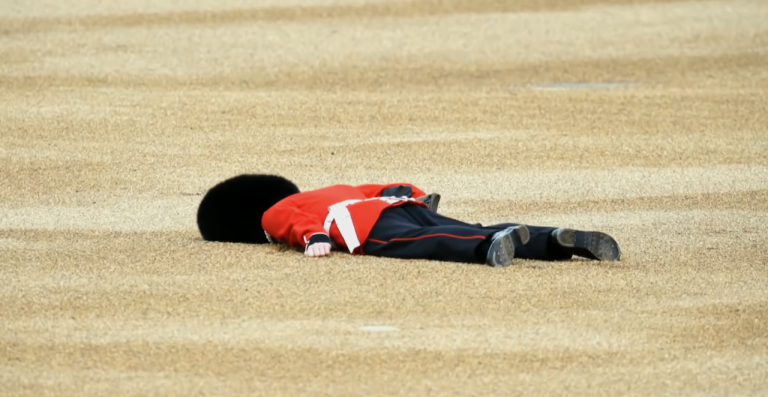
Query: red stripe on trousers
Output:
(429,235)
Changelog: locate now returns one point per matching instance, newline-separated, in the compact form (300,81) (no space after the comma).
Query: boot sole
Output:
(502,250)
(434,202)
(592,245)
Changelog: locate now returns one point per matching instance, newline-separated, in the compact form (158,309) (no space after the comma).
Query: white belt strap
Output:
(340,214)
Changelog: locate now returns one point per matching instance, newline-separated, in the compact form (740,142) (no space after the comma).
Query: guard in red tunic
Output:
(392,220)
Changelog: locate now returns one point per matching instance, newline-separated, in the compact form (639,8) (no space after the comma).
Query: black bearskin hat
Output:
(231,211)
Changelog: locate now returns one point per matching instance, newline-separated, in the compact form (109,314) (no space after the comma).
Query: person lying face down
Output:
(397,220)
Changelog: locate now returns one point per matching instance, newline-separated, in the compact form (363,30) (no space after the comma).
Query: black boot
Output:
(432,200)
(592,245)
(503,244)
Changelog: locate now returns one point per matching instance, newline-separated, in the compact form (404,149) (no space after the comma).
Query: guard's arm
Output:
(287,223)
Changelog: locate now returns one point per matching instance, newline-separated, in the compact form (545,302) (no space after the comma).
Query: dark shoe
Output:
(592,245)
(431,200)
(503,244)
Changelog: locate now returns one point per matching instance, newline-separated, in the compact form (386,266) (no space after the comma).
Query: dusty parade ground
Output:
(644,119)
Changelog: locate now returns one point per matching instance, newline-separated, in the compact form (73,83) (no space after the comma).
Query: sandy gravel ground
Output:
(645,119)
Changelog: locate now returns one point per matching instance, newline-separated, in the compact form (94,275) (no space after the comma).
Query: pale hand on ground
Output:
(318,249)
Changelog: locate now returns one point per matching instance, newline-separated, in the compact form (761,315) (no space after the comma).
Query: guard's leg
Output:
(410,231)
(552,244)
(542,246)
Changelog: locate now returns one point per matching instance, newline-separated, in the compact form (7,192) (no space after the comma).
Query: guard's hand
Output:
(318,249)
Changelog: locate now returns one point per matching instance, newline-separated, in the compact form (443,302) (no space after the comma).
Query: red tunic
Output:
(295,219)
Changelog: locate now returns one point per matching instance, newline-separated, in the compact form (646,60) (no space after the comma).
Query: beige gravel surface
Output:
(644,119)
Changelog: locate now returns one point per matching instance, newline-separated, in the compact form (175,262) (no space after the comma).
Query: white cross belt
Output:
(339,213)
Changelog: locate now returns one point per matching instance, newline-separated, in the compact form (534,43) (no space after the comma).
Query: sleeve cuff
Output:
(317,238)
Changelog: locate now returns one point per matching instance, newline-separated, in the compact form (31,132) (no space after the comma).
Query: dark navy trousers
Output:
(415,232)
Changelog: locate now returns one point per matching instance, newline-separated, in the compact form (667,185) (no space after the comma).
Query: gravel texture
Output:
(644,119)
